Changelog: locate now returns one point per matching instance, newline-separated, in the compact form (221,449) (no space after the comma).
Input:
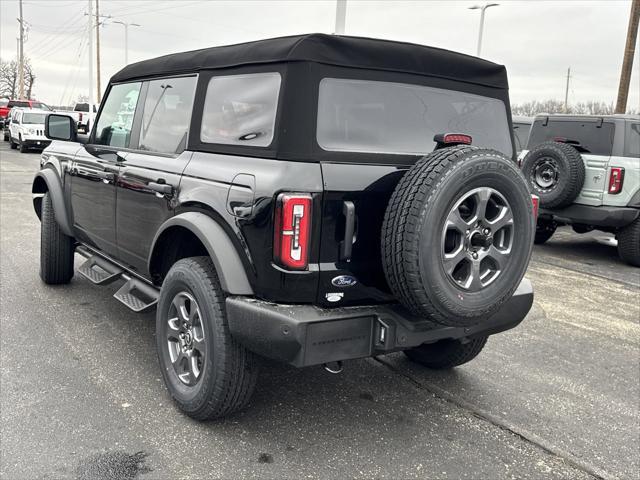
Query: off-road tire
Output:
(56,248)
(230,371)
(415,216)
(446,354)
(544,231)
(629,243)
(570,173)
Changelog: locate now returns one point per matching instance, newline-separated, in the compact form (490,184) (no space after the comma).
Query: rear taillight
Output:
(616,178)
(535,200)
(292,230)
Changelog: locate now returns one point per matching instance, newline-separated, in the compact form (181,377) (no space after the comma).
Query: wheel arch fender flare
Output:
(47,181)
(225,257)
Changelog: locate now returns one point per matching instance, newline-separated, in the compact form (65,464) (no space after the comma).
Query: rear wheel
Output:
(457,235)
(544,231)
(446,353)
(56,248)
(629,243)
(208,373)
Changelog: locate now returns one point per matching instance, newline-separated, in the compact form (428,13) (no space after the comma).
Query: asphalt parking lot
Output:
(82,397)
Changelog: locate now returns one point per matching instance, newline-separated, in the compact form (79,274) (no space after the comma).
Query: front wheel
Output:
(56,248)
(446,354)
(12,144)
(207,372)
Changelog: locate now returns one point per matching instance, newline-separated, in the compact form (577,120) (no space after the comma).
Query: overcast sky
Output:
(536,40)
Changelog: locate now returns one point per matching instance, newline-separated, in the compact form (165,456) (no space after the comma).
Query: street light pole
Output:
(482,9)
(341,16)
(126,38)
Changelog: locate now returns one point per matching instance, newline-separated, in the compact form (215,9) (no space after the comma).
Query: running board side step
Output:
(135,293)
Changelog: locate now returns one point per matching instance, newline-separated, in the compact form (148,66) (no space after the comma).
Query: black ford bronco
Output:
(311,199)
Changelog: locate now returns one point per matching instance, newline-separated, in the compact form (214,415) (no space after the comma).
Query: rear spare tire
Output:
(555,172)
(457,235)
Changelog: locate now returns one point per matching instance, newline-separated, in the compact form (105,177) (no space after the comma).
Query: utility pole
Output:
(126,38)
(90,16)
(98,48)
(566,92)
(341,16)
(482,9)
(627,62)
(21,56)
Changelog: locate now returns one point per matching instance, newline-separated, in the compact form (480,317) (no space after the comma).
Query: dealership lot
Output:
(81,393)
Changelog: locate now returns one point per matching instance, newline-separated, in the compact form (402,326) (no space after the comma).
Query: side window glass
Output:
(114,123)
(166,115)
(632,140)
(241,109)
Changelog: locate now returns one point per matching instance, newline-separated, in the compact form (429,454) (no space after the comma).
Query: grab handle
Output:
(349,211)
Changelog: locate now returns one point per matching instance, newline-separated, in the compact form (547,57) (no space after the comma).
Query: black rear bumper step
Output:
(304,335)
(604,216)
(136,294)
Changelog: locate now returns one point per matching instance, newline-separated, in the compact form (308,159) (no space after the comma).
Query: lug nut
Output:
(475,255)
(486,231)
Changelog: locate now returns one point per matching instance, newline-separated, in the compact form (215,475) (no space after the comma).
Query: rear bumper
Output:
(304,335)
(615,217)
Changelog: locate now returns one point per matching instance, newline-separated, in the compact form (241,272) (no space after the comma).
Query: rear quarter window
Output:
(632,140)
(241,109)
(590,136)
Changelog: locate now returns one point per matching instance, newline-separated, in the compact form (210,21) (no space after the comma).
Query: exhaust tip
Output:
(333,367)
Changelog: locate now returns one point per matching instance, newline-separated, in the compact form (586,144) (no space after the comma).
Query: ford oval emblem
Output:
(344,281)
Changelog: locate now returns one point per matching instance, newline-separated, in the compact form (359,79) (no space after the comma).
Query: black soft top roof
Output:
(343,51)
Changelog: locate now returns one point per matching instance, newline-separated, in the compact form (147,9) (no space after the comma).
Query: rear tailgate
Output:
(366,188)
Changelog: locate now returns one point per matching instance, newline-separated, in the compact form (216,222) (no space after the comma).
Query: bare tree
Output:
(9,78)
(591,107)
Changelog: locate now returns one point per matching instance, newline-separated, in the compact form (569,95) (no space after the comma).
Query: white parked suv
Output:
(586,171)
(27,129)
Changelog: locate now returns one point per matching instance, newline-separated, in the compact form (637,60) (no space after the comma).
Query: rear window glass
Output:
(632,140)
(590,136)
(39,105)
(3,102)
(397,118)
(241,109)
(33,118)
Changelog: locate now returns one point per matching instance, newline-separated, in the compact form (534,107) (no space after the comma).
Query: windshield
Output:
(397,118)
(40,105)
(34,118)
(18,103)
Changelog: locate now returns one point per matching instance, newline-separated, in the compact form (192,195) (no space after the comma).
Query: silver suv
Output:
(586,171)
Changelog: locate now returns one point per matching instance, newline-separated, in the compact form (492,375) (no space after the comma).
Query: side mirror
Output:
(60,127)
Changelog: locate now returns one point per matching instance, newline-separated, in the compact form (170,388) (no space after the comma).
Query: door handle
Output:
(346,246)
(158,187)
